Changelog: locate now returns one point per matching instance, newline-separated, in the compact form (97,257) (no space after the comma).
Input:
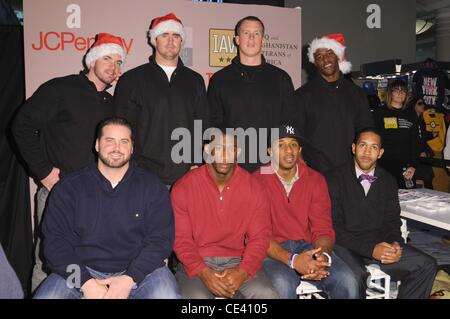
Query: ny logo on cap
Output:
(289,130)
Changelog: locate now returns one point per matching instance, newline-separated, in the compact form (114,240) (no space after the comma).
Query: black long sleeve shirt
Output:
(156,107)
(328,116)
(56,125)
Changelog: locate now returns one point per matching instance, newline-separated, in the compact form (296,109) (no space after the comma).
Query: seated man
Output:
(366,218)
(108,227)
(222,229)
(303,238)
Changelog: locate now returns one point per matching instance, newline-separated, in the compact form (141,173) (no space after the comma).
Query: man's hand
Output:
(51,179)
(212,280)
(119,286)
(311,269)
(93,289)
(387,253)
(233,278)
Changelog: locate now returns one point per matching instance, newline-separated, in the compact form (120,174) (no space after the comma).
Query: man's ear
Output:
(96,145)
(353,148)
(381,153)
(269,151)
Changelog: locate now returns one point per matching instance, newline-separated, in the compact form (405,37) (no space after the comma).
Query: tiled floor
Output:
(429,239)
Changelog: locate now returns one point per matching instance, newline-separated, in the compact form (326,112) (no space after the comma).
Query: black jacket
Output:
(250,97)
(56,125)
(361,221)
(155,107)
(329,115)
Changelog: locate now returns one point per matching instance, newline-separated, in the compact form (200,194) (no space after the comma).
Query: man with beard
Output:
(302,232)
(330,108)
(55,128)
(223,228)
(108,228)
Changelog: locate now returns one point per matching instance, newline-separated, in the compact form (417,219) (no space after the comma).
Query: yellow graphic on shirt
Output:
(390,122)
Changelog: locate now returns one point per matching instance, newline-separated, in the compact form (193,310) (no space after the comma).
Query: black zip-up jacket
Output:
(261,98)
(155,107)
(328,116)
(56,125)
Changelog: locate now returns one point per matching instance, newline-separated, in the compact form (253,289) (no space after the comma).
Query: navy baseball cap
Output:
(287,130)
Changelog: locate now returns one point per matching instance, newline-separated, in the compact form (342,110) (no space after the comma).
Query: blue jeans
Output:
(160,284)
(341,284)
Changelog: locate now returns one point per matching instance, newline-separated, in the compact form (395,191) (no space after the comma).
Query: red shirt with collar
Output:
(208,223)
(306,213)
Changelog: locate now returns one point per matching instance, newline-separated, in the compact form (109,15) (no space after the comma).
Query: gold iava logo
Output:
(221,47)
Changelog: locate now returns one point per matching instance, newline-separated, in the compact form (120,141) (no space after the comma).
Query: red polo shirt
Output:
(306,213)
(208,223)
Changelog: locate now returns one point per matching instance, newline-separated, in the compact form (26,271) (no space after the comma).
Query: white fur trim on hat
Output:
(97,52)
(166,26)
(344,65)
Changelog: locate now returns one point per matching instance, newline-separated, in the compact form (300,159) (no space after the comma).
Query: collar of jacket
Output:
(240,68)
(237,62)
(152,61)
(326,84)
(83,75)
(106,184)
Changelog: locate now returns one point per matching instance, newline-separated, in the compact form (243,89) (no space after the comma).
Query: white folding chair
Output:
(378,283)
(307,290)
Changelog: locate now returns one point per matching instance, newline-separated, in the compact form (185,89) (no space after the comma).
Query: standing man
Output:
(55,128)
(250,93)
(222,230)
(108,227)
(302,233)
(366,218)
(330,108)
(161,96)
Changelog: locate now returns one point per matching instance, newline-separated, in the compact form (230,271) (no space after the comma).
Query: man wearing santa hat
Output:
(161,96)
(330,108)
(55,128)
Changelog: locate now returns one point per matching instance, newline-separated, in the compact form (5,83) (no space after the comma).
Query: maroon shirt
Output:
(208,223)
(306,213)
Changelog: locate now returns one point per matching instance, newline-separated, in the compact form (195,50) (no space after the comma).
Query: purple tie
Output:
(368,178)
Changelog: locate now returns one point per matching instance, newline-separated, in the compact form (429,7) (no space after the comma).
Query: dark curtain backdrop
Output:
(15,214)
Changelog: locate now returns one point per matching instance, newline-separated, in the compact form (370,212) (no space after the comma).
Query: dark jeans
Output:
(160,284)
(416,271)
(258,287)
(341,284)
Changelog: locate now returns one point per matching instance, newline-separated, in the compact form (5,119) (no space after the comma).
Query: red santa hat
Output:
(333,42)
(106,44)
(167,23)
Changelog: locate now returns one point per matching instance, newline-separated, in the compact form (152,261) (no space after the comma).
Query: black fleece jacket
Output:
(56,125)
(250,97)
(156,107)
